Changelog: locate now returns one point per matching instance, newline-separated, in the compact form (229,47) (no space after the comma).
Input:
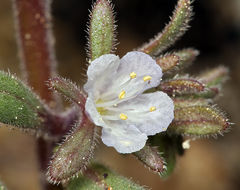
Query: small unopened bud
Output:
(151,158)
(74,154)
(168,62)
(68,89)
(187,56)
(182,86)
(101,29)
(187,87)
(173,62)
(215,76)
(198,121)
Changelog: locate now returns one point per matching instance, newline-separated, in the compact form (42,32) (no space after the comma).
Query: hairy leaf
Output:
(19,106)
(173,31)
(97,177)
(13,86)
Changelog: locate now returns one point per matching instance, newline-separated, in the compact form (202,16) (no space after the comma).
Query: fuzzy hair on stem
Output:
(177,26)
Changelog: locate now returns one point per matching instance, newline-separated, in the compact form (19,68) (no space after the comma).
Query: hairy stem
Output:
(38,63)
(35,43)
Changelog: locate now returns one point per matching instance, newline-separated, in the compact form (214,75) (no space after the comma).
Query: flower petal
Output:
(151,113)
(100,73)
(124,138)
(143,65)
(136,73)
(91,110)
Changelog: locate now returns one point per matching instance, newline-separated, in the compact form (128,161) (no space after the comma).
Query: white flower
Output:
(116,101)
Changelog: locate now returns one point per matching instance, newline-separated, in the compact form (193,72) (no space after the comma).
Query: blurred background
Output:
(215,31)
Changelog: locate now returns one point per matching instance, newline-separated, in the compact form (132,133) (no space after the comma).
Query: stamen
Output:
(147,78)
(133,75)
(123,116)
(122,94)
(153,108)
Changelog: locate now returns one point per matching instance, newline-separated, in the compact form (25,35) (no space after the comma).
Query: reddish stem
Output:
(35,40)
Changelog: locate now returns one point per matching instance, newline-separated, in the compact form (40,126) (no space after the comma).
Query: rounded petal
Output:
(151,113)
(125,139)
(91,110)
(136,73)
(143,65)
(100,72)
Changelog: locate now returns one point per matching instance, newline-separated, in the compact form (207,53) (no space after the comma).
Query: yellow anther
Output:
(133,75)
(122,94)
(147,78)
(123,116)
(152,109)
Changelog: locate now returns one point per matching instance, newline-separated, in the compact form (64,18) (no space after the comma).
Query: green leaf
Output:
(17,113)
(13,86)
(198,121)
(97,177)
(101,29)
(19,106)
(74,154)
(173,31)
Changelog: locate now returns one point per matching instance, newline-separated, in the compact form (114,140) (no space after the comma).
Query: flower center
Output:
(102,111)
(110,110)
